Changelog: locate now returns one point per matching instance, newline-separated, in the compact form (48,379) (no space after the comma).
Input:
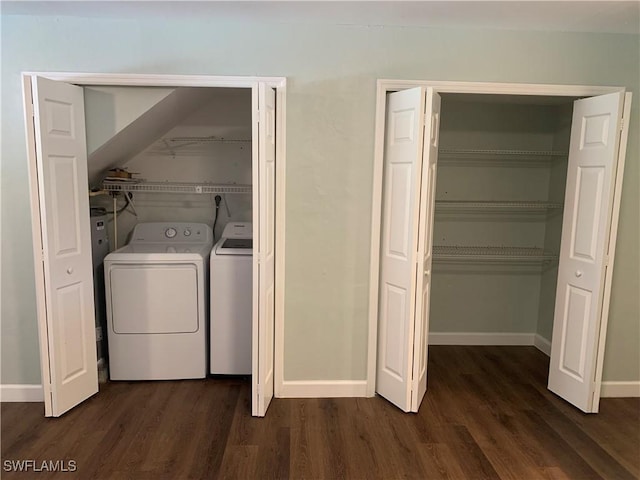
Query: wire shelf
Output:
(488,157)
(501,152)
(173,187)
(493,254)
(455,206)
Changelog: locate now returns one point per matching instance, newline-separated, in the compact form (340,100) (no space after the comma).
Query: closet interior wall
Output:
(507,154)
(210,144)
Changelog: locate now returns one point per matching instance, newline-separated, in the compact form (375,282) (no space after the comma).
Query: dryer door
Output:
(154,298)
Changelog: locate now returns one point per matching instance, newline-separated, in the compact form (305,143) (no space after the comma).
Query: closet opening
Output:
(495,218)
(499,197)
(139,184)
(182,171)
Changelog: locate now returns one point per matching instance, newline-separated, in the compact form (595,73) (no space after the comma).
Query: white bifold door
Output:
(264,169)
(410,160)
(61,204)
(578,329)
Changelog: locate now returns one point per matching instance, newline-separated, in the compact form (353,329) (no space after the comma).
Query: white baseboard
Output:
(480,338)
(620,389)
(542,344)
(323,389)
(21,393)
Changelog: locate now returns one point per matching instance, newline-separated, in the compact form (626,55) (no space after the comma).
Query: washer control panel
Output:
(171,232)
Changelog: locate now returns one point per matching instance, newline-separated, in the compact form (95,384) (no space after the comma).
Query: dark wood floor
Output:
(487,414)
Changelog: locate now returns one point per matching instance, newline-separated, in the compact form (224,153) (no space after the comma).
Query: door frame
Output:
(385,86)
(159,80)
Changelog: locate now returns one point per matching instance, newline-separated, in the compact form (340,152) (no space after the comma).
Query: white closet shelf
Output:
(528,255)
(174,187)
(488,157)
(459,206)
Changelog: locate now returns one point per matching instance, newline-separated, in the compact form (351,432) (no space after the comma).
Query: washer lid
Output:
(237,243)
(234,246)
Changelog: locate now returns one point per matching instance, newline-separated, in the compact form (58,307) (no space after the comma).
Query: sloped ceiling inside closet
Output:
(225,119)
(151,122)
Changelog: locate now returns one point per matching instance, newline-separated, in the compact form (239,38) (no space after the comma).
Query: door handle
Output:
(69,270)
(578,273)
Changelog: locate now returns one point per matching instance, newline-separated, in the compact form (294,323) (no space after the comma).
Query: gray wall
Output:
(332,72)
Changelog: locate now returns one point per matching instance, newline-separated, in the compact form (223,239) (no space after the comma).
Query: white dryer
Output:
(156,290)
(231,300)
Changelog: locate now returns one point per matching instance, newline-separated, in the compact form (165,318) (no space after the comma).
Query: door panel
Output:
(425,247)
(68,275)
(64,174)
(70,306)
(400,214)
(402,177)
(264,251)
(584,231)
(395,299)
(593,155)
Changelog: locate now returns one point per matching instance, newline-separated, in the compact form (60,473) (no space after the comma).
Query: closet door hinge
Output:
(622,124)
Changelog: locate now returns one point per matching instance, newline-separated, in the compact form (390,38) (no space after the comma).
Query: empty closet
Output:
(497,226)
(500,188)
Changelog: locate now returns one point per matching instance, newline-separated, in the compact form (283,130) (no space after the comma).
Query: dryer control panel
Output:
(170,232)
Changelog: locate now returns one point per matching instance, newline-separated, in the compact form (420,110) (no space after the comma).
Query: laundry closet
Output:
(177,176)
(163,161)
(497,226)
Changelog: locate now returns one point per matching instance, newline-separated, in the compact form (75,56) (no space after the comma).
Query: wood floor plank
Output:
(487,414)
(273,461)
(239,461)
(439,462)
(592,453)
(356,418)
(562,453)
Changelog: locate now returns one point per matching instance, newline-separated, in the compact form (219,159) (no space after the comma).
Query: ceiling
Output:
(569,16)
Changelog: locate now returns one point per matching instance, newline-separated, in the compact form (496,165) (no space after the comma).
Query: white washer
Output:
(156,302)
(231,300)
